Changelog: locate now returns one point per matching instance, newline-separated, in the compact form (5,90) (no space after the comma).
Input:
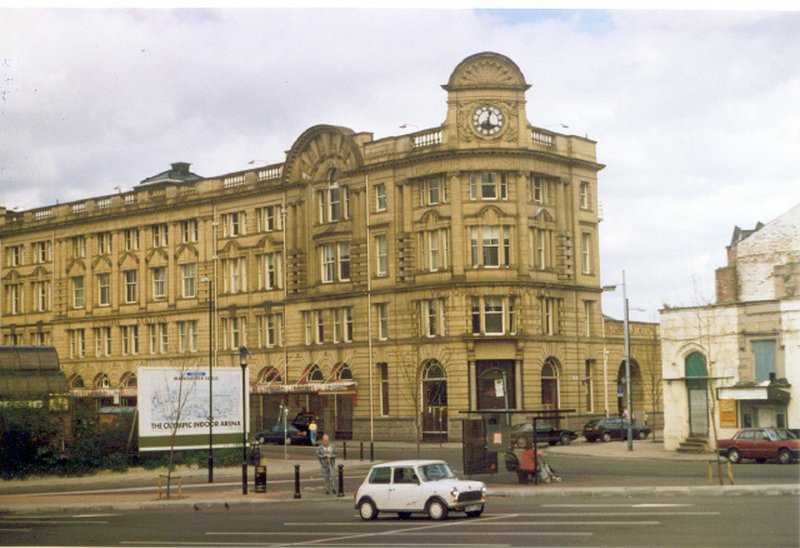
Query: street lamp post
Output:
(243,352)
(627,365)
(210,283)
(627,350)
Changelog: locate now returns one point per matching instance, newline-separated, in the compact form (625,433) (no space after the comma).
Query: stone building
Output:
(736,363)
(461,261)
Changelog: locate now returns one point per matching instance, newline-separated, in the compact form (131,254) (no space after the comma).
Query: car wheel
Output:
(784,456)
(403,515)
(367,510)
(475,514)
(641,434)
(734,456)
(552,443)
(261,440)
(565,439)
(437,511)
(606,437)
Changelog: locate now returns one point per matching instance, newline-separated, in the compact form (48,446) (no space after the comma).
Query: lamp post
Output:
(627,350)
(243,353)
(210,283)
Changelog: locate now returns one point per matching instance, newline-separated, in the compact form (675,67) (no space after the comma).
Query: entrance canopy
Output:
(763,392)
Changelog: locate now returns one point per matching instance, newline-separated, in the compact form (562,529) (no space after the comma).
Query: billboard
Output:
(174,401)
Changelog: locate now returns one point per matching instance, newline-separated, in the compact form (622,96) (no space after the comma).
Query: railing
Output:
(270,173)
(43,214)
(79,208)
(129,198)
(103,203)
(542,137)
(232,181)
(426,138)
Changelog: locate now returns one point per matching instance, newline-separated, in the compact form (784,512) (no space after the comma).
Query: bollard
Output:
(710,472)
(730,472)
(371,452)
(297,481)
(361,450)
(344,450)
(260,479)
(341,481)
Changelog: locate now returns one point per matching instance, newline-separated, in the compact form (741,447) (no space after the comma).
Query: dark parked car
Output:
(613,428)
(522,434)
(275,435)
(761,444)
(303,419)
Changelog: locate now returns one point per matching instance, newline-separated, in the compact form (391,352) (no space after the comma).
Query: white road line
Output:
(645,505)
(471,522)
(16,530)
(81,516)
(383,533)
(56,522)
(314,545)
(402,533)
(572,514)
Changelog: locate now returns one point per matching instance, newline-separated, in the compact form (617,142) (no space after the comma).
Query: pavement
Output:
(135,489)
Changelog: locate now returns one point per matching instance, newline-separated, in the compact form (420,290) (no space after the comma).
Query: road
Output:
(551,521)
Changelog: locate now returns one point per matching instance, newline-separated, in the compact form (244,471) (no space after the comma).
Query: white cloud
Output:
(695,114)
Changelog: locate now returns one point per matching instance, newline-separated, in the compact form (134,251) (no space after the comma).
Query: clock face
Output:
(488,120)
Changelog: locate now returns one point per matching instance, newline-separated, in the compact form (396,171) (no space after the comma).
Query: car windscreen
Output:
(435,471)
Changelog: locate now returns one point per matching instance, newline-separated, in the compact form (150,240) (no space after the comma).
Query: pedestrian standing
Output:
(312,431)
(327,461)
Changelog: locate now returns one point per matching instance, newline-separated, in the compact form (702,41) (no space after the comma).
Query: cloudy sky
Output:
(696,114)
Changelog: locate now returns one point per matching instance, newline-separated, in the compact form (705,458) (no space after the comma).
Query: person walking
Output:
(312,431)
(326,454)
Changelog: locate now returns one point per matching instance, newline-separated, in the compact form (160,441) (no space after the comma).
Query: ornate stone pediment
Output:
(319,150)
(487,70)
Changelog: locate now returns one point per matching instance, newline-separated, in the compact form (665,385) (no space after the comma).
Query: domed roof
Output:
(487,69)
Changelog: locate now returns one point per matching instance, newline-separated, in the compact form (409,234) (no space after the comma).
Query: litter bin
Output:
(261,479)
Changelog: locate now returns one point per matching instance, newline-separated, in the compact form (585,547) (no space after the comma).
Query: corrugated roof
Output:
(30,372)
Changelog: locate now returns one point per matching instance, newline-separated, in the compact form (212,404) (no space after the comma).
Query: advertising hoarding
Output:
(173,408)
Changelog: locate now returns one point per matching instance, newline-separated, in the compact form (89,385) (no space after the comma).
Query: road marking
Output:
(410,532)
(16,530)
(301,544)
(645,505)
(81,516)
(383,533)
(56,522)
(572,514)
(471,522)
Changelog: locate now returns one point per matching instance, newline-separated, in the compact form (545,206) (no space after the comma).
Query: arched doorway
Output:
(697,392)
(637,389)
(550,383)
(434,402)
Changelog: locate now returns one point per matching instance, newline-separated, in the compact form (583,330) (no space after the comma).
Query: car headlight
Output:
(454,492)
(483,490)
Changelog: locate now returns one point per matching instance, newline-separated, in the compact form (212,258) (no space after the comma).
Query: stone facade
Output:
(747,341)
(462,261)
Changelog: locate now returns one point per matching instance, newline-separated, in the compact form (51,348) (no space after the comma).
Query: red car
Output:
(761,444)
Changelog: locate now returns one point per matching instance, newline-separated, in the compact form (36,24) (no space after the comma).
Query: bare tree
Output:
(409,388)
(175,416)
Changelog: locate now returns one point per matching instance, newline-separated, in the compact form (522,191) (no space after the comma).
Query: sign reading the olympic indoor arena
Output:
(173,408)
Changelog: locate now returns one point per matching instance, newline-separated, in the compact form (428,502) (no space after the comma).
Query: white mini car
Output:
(418,486)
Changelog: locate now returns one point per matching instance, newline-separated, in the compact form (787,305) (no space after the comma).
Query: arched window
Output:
(550,385)
(696,365)
(102,381)
(345,373)
(128,380)
(314,374)
(269,375)
(76,382)
(496,384)
(433,371)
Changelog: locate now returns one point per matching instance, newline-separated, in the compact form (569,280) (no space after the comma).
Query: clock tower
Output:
(486,103)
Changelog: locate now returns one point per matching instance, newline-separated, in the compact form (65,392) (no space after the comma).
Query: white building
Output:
(738,360)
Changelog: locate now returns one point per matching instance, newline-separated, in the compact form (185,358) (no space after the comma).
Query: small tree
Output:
(175,416)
